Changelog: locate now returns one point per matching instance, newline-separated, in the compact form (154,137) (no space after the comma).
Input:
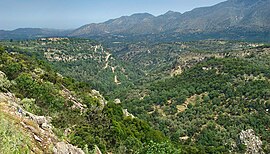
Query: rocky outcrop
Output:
(117,101)
(127,114)
(38,127)
(252,142)
(68,95)
(42,121)
(101,99)
(176,71)
(65,148)
(116,80)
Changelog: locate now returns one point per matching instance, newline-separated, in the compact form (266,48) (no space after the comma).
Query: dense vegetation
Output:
(120,67)
(82,59)
(74,107)
(222,89)
(209,104)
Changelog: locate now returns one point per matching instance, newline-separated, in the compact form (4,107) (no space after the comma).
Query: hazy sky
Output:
(69,14)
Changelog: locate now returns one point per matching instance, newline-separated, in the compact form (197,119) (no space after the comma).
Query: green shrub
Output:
(2,50)
(160,148)
(4,82)
(29,105)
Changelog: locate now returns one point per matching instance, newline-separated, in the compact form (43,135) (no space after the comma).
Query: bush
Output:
(4,82)
(160,148)
(2,50)
(29,105)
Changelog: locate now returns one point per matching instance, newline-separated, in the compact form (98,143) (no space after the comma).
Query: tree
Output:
(12,70)
(2,50)
(4,83)
(160,148)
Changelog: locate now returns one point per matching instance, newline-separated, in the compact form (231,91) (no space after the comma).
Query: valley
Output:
(187,90)
(195,82)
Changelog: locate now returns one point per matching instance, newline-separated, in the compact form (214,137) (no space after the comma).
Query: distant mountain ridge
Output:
(251,15)
(125,24)
(231,19)
(30,33)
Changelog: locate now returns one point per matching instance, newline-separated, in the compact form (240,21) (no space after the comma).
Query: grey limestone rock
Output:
(65,148)
(252,142)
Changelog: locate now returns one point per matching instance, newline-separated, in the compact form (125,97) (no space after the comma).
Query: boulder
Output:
(117,101)
(40,120)
(46,126)
(127,114)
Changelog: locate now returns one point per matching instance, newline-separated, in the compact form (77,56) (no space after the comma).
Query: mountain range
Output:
(231,14)
(30,33)
(233,18)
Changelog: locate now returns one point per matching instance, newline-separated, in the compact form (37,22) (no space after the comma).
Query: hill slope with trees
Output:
(78,114)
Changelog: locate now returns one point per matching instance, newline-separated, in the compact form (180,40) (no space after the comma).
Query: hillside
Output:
(120,67)
(195,82)
(47,112)
(211,102)
(83,59)
(206,96)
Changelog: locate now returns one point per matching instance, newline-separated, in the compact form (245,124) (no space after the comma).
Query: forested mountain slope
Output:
(77,114)
(83,59)
(206,97)
(211,102)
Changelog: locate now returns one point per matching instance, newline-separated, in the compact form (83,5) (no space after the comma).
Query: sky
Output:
(71,14)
